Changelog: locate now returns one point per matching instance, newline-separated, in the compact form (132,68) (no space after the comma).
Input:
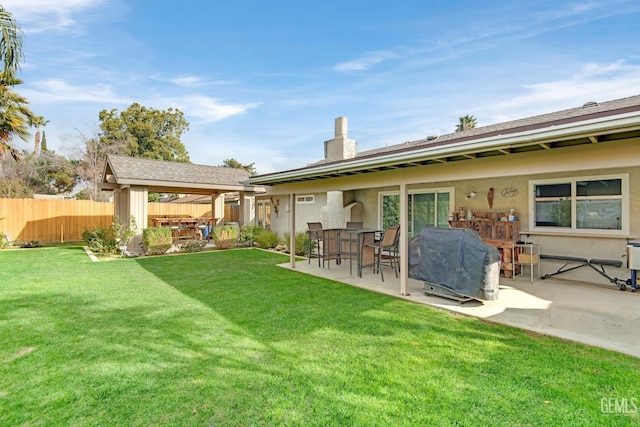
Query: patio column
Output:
(250,207)
(241,207)
(404,239)
(121,203)
(138,207)
(215,207)
(292,230)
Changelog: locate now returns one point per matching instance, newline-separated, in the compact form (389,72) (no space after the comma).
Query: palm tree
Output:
(39,122)
(466,122)
(15,117)
(10,43)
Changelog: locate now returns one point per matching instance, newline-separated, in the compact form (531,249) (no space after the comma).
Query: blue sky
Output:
(262,82)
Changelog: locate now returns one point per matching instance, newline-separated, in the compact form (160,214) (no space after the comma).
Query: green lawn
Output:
(228,338)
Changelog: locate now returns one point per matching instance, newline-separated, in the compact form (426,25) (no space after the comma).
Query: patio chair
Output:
(315,239)
(390,254)
(174,226)
(187,228)
(388,243)
(330,246)
(349,241)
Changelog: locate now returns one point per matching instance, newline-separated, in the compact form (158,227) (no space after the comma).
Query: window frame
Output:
(573,229)
(305,199)
(381,194)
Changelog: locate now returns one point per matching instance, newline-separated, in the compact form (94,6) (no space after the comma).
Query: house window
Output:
(305,199)
(427,208)
(582,204)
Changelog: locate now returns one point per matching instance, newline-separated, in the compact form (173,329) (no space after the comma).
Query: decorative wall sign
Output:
(509,192)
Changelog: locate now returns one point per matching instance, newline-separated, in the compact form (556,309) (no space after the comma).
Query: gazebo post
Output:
(241,209)
(213,206)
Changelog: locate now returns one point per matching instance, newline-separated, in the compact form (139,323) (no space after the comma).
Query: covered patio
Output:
(564,180)
(131,179)
(593,314)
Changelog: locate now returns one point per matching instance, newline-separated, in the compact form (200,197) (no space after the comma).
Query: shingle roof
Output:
(133,168)
(516,136)
(584,112)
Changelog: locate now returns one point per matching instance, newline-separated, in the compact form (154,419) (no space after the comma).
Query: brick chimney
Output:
(340,147)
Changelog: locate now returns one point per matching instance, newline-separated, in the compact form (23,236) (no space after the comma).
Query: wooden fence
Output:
(53,220)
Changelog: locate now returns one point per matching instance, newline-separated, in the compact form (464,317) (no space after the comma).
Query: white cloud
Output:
(187,81)
(203,108)
(191,81)
(52,91)
(365,62)
(593,82)
(206,109)
(595,69)
(39,16)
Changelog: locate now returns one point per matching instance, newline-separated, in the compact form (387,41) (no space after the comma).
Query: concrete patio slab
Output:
(594,314)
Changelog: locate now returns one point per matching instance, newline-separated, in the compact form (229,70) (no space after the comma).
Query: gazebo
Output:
(131,179)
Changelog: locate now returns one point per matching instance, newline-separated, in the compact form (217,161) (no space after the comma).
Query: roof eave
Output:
(587,128)
(167,186)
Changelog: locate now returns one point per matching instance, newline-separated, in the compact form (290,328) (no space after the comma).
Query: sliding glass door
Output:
(427,208)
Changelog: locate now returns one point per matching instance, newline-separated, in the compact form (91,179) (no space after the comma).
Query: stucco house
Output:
(571,178)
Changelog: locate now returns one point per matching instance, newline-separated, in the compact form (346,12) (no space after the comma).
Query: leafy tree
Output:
(83,195)
(48,173)
(466,122)
(90,152)
(157,197)
(146,133)
(233,163)
(14,188)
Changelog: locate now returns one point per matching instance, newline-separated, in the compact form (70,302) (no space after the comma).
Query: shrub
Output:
(106,240)
(267,239)
(193,246)
(157,240)
(225,236)
(100,240)
(248,234)
(4,239)
(124,234)
(302,242)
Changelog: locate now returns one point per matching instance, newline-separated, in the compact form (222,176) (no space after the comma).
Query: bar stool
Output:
(388,242)
(315,239)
